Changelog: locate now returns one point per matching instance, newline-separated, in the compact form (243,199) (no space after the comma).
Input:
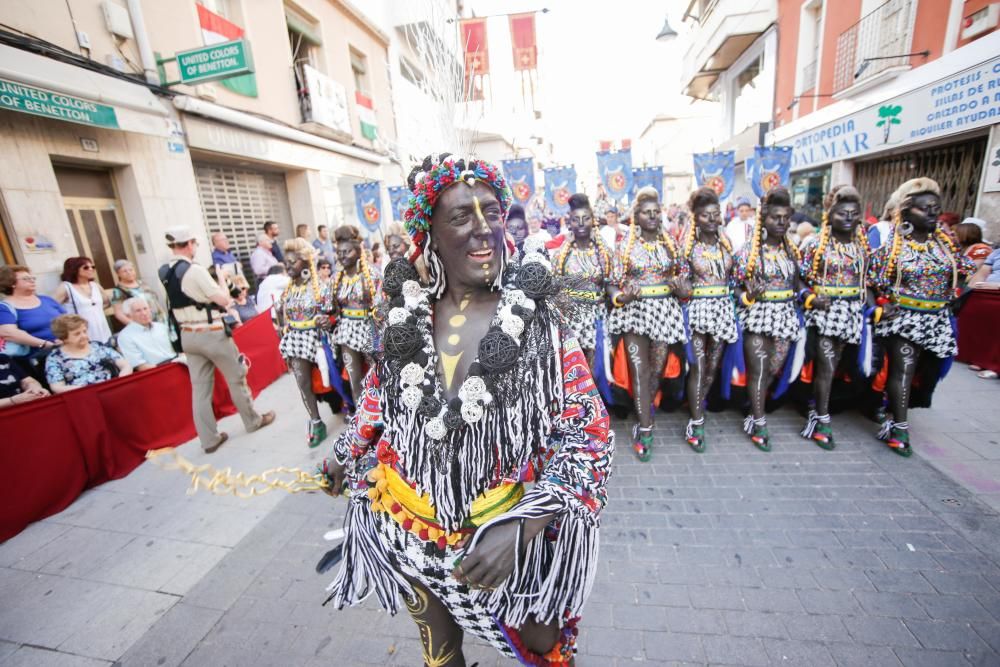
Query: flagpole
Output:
(543,10)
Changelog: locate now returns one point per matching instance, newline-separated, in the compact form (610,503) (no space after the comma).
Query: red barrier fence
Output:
(55,448)
(979,330)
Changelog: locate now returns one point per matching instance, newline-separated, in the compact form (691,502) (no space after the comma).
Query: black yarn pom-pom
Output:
(475,368)
(534,280)
(429,390)
(497,351)
(429,407)
(397,302)
(526,314)
(402,341)
(455,404)
(397,272)
(420,358)
(453,420)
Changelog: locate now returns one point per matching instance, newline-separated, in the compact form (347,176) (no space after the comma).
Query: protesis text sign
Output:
(18,97)
(218,61)
(965,101)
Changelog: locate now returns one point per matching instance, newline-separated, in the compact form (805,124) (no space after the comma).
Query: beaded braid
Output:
(691,233)
(755,244)
(897,245)
(366,275)
(628,248)
(824,240)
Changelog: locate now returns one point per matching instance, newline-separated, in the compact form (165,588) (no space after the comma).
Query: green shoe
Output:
(820,432)
(757,430)
(317,433)
(642,444)
(695,435)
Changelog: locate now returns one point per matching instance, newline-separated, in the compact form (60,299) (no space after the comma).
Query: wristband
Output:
(747,301)
(877,315)
(881,301)
(809,301)
(617,300)
(804,293)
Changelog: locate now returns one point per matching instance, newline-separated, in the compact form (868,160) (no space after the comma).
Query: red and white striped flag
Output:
(215,30)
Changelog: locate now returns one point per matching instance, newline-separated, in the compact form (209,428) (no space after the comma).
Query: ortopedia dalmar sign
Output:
(965,101)
(218,61)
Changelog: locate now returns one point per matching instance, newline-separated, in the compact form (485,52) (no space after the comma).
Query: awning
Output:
(82,96)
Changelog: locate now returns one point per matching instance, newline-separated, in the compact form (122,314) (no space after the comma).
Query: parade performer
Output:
(587,264)
(833,269)
(711,314)
(914,275)
(766,276)
(478,390)
(304,313)
(649,275)
(355,290)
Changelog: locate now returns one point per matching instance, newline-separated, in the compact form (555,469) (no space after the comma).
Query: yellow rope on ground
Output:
(224,482)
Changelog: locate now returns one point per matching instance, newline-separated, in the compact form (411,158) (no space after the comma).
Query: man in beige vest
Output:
(198,304)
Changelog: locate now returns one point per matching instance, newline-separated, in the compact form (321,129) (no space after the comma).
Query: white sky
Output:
(602,74)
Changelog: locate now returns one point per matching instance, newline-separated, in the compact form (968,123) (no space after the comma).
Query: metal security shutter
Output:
(955,167)
(237,202)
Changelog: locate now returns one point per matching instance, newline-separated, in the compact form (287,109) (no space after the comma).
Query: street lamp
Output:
(868,61)
(667,33)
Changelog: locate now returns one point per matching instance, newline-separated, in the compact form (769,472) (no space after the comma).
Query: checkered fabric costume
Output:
(355,334)
(715,316)
(843,320)
(583,323)
(660,319)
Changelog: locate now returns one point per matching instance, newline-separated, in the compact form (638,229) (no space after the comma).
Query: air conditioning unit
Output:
(984,20)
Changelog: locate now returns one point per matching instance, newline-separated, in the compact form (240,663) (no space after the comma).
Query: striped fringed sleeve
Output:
(553,577)
(366,568)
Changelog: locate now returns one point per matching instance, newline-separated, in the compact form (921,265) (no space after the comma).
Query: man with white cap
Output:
(197,304)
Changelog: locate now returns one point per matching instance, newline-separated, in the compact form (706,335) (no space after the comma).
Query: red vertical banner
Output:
(472,32)
(523,41)
(626,144)
(473,35)
(605,145)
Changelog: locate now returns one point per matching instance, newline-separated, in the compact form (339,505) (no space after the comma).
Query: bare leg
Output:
(302,372)
(777,352)
(713,356)
(827,359)
(440,635)
(903,357)
(755,353)
(354,361)
(658,352)
(637,348)
(696,376)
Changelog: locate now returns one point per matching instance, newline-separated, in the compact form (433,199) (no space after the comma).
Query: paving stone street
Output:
(732,557)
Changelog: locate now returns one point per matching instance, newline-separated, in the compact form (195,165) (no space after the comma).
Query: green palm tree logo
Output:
(887,115)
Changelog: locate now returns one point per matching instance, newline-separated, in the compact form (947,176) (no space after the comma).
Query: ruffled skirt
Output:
(300,344)
(777,319)
(355,334)
(843,320)
(714,316)
(583,323)
(932,331)
(659,319)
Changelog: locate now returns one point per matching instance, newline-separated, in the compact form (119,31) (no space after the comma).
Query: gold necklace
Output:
(650,247)
(919,247)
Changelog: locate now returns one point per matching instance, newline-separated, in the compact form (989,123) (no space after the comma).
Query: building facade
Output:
(874,92)
(731,58)
(108,143)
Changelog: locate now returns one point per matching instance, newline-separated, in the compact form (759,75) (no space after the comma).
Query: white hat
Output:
(179,235)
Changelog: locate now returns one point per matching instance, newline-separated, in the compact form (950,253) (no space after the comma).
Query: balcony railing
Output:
(883,34)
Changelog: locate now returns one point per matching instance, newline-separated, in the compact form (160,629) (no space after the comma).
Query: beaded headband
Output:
(430,184)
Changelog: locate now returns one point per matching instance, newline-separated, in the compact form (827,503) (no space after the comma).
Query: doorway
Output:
(95,218)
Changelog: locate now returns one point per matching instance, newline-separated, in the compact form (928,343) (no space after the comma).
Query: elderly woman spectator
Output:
(144,341)
(129,286)
(262,259)
(16,387)
(970,237)
(79,362)
(25,317)
(243,302)
(84,296)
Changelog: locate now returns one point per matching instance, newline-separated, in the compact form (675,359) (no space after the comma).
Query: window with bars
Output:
(237,202)
(305,41)
(955,167)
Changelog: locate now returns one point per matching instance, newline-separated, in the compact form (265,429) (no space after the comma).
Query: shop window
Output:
(810,45)
(748,96)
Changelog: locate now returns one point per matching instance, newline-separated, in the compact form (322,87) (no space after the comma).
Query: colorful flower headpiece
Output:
(430,184)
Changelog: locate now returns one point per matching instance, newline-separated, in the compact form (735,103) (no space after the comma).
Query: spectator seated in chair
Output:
(80,362)
(144,342)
